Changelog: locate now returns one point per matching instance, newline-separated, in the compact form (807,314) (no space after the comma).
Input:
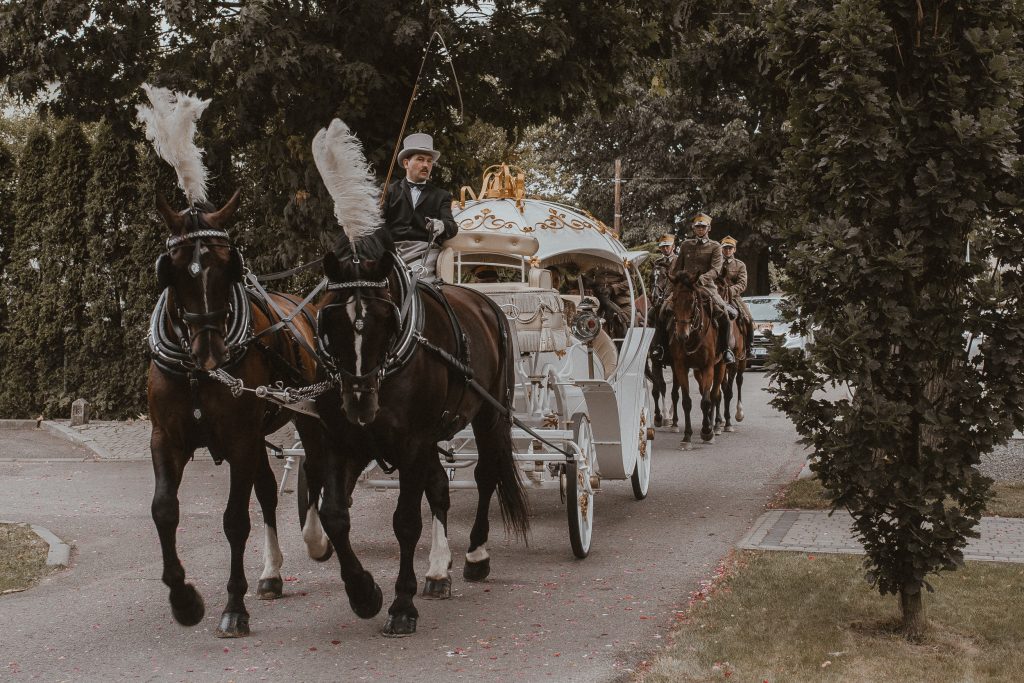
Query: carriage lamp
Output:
(586,324)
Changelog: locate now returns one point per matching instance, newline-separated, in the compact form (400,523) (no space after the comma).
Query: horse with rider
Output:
(698,317)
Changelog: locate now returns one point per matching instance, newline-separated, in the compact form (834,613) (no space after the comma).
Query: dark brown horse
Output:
(732,373)
(693,347)
(395,353)
(204,324)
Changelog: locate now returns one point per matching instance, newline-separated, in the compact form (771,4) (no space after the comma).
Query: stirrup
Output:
(728,357)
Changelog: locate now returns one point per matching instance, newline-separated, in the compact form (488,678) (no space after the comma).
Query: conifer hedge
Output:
(78,239)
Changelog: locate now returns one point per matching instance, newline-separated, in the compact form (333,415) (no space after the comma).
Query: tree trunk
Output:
(914,624)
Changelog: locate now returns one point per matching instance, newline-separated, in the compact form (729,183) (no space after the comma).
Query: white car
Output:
(768,323)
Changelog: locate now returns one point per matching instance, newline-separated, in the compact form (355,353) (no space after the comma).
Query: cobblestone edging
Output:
(1001,539)
(59,553)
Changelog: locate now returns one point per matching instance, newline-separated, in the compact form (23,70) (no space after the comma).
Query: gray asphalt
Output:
(541,616)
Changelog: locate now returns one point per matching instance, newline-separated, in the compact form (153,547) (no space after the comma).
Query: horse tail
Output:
(512,498)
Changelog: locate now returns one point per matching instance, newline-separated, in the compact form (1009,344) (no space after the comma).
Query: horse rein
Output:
(699,328)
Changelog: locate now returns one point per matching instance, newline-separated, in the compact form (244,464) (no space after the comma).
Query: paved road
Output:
(541,616)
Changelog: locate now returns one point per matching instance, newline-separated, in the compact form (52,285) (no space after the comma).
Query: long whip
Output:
(412,98)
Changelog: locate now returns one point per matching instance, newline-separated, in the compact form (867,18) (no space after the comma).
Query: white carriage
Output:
(581,393)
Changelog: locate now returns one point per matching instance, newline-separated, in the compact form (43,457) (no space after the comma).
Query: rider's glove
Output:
(435,227)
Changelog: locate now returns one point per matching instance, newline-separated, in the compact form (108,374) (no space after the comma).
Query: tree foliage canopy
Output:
(279,71)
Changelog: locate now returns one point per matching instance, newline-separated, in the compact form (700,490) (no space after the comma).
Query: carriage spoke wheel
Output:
(641,478)
(578,492)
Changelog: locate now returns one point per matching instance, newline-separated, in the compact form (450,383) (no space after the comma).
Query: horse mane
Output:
(171,126)
(685,279)
(373,246)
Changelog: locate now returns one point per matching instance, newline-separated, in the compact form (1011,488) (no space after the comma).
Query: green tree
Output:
(110,349)
(904,142)
(59,302)
(700,131)
(7,191)
(19,395)
(277,72)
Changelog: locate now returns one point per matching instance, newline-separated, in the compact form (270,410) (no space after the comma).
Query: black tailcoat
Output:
(407,223)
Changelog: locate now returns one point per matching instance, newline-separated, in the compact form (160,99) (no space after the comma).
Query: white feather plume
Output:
(339,158)
(171,127)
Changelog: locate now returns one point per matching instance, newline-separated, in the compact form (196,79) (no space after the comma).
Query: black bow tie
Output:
(418,186)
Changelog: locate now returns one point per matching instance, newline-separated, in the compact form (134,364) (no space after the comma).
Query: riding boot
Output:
(723,340)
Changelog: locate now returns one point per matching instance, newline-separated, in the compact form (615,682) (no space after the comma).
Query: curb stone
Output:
(70,434)
(59,553)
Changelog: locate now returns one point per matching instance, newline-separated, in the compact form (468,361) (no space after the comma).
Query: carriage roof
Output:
(563,233)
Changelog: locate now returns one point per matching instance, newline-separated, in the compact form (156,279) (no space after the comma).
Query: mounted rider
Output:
(660,268)
(734,275)
(701,258)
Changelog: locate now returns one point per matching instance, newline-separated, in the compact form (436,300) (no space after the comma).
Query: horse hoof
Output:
(187,607)
(369,609)
(739,416)
(685,445)
(233,625)
(437,589)
(476,571)
(399,626)
(270,589)
(729,429)
(718,430)
(327,555)
(708,438)
(658,421)
(675,429)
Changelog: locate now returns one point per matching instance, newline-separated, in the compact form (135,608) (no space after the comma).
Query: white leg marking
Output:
(313,534)
(478,555)
(272,557)
(351,308)
(440,553)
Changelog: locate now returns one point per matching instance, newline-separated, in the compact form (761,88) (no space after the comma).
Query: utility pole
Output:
(617,221)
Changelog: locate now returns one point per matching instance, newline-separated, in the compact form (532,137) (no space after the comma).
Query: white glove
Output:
(435,227)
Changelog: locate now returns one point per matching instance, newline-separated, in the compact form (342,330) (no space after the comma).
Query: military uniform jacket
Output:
(701,259)
(406,222)
(734,273)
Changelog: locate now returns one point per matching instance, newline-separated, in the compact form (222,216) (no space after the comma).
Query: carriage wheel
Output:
(578,492)
(641,478)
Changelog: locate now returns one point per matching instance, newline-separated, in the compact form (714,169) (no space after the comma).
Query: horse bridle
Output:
(368,381)
(206,321)
(696,328)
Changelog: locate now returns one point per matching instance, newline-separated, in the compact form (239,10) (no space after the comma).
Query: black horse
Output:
(402,355)
(205,323)
(660,318)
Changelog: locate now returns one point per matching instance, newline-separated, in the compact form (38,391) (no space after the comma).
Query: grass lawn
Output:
(782,617)
(1007,500)
(22,557)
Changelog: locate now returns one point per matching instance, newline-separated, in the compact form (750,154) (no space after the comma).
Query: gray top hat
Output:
(418,143)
